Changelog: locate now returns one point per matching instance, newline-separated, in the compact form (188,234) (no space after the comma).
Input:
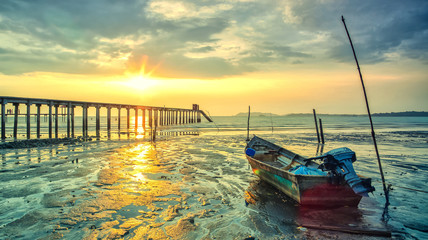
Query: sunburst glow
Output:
(140,78)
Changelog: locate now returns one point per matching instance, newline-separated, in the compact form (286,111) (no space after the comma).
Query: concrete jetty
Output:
(156,116)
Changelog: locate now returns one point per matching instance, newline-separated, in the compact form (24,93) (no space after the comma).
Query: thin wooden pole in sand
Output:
(385,215)
(248,123)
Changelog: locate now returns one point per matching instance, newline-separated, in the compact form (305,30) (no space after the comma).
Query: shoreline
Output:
(33,143)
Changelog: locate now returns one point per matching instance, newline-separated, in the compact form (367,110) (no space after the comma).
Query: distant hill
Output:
(256,114)
(402,114)
(391,114)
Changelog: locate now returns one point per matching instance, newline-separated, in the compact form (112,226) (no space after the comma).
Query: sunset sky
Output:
(280,57)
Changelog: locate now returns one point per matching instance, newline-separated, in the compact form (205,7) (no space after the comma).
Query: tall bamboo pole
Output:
(371,125)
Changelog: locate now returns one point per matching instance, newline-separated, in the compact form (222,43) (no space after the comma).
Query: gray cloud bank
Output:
(204,39)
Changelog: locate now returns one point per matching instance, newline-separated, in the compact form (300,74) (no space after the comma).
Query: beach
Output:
(195,183)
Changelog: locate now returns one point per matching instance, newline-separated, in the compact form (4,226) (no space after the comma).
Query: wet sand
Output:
(181,187)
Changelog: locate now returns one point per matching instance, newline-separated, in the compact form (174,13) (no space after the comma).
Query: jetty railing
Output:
(156,116)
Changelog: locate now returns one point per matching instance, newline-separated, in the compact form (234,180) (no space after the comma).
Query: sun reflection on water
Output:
(132,192)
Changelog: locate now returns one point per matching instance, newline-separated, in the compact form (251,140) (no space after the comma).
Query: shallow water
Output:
(198,186)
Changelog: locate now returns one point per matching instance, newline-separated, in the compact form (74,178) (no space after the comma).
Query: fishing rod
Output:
(385,189)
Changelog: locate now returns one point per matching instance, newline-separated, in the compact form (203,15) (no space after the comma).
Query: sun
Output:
(141,79)
(141,82)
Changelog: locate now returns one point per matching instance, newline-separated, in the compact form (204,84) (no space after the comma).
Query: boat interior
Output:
(275,159)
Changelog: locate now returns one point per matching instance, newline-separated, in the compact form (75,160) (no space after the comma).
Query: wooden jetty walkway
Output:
(157,116)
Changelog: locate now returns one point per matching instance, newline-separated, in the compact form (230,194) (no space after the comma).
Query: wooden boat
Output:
(331,183)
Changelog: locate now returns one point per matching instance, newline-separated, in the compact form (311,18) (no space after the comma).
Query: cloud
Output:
(200,39)
(179,10)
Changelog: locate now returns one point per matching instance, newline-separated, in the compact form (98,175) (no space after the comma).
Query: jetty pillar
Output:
(119,109)
(72,121)
(84,122)
(108,118)
(181,117)
(127,119)
(38,120)
(97,121)
(194,116)
(68,119)
(28,119)
(144,120)
(3,119)
(189,116)
(15,121)
(168,117)
(136,120)
(174,117)
(50,119)
(56,120)
(156,117)
(150,118)
(163,117)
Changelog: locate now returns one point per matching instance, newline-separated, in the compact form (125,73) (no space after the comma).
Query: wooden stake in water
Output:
(321,132)
(248,124)
(385,214)
(316,125)
(271,121)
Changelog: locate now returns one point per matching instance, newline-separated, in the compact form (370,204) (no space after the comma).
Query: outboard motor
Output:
(339,163)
